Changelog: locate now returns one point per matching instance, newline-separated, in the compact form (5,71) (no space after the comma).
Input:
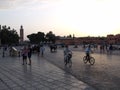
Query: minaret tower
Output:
(21,34)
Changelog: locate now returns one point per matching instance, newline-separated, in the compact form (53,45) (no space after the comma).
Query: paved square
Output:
(41,75)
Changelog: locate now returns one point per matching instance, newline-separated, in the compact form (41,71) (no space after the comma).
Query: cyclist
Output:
(67,54)
(88,51)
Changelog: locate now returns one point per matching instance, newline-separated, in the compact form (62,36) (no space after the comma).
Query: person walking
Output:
(42,49)
(38,49)
(3,55)
(24,55)
(29,54)
(110,48)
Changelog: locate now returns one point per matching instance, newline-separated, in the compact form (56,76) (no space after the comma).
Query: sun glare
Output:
(88,17)
(79,17)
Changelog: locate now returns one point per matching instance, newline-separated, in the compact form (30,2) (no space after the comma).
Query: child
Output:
(24,54)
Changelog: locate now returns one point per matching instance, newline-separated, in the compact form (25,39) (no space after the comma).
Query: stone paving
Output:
(41,75)
(103,75)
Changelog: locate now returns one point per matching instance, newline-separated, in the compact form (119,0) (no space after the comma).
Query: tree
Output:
(8,36)
(32,38)
(41,36)
(50,37)
(36,38)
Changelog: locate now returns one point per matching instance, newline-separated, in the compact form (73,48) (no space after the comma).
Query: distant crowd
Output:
(27,50)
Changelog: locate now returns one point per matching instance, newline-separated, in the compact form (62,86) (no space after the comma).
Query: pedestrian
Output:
(10,51)
(24,54)
(38,50)
(42,49)
(3,55)
(29,54)
(110,48)
(19,53)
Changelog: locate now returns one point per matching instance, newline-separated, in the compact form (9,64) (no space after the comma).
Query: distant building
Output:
(81,40)
(21,34)
(65,40)
(113,39)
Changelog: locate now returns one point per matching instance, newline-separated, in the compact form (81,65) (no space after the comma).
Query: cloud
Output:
(7,4)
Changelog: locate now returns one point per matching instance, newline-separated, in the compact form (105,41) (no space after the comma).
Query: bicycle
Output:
(68,60)
(90,59)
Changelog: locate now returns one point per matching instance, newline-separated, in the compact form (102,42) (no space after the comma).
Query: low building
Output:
(67,41)
(113,39)
(81,40)
(110,39)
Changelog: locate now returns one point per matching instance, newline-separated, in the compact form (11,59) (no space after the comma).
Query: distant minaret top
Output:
(21,27)
(21,34)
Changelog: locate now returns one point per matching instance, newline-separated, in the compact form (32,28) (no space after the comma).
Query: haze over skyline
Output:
(63,17)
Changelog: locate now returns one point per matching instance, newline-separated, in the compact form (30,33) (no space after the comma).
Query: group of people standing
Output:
(27,52)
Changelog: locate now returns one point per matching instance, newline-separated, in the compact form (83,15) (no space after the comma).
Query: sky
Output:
(62,17)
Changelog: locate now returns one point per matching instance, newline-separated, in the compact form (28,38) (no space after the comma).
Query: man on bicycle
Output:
(88,50)
(67,53)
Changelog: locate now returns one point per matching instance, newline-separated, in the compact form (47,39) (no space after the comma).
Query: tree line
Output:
(42,37)
(10,36)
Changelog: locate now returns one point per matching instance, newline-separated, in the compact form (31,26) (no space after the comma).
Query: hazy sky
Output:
(63,17)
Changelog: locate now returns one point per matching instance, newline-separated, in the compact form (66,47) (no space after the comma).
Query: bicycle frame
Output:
(67,60)
(90,59)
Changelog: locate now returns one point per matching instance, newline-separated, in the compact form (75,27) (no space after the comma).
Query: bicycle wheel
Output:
(85,59)
(92,60)
(65,62)
(70,63)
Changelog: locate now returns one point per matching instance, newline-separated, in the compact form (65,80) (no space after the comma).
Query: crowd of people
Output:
(102,48)
(23,51)
(27,50)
